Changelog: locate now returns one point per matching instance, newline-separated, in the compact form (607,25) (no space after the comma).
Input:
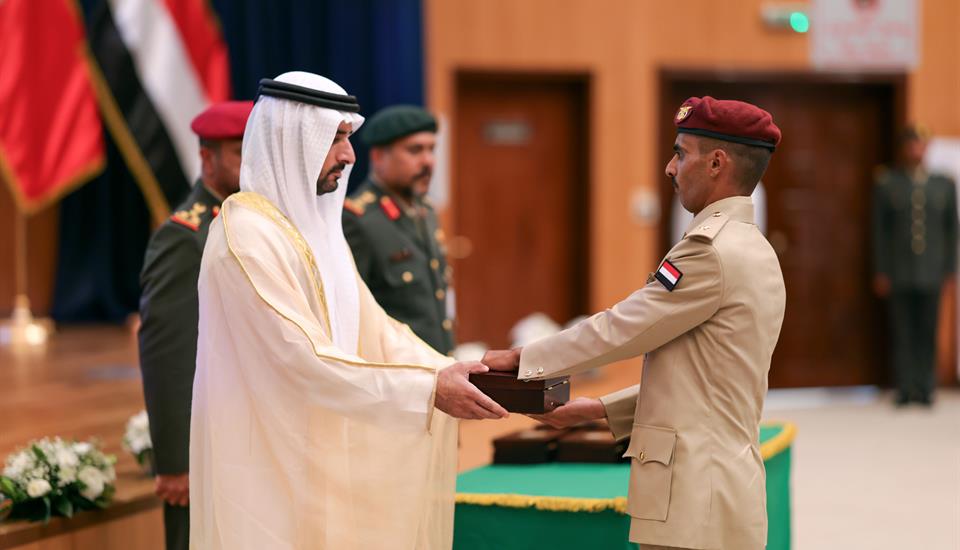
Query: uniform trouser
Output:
(176,526)
(913,330)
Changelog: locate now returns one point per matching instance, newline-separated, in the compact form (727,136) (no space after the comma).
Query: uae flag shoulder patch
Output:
(668,275)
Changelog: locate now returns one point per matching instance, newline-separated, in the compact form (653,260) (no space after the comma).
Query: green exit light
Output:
(799,22)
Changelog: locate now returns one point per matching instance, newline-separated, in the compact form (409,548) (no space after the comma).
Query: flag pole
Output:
(21,331)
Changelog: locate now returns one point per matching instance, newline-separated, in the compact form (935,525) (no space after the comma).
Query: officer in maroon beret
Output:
(708,320)
(169,310)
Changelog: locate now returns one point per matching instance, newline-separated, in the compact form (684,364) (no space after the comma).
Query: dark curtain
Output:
(373,48)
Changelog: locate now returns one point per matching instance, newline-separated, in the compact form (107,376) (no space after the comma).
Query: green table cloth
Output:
(568,505)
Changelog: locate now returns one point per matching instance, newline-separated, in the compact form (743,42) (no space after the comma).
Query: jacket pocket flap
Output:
(652,444)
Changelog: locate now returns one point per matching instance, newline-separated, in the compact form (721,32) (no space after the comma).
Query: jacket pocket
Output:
(651,471)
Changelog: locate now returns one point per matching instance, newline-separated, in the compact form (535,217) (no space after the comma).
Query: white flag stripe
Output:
(166,73)
(669,276)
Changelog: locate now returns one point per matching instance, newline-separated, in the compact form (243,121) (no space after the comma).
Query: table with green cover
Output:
(569,505)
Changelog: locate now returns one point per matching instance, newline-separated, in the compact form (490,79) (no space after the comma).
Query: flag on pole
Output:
(162,63)
(51,138)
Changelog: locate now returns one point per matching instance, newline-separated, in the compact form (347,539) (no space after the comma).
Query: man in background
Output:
(392,229)
(168,309)
(915,252)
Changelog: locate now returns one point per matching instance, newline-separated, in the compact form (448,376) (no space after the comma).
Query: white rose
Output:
(137,444)
(82,448)
(66,458)
(38,488)
(67,475)
(140,422)
(93,480)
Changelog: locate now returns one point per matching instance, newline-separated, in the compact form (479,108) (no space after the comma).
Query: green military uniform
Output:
(400,255)
(168,340)
(915,246)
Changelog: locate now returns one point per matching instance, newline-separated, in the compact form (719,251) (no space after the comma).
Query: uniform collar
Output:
(411,210)
(214,197)
(736,208)
(204,194)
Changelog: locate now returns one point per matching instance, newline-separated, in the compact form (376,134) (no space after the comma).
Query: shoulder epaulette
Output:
(190,218)
(708,230)
(354,207)
(358,205)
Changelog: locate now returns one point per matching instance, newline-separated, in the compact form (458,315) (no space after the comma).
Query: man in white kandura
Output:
(313,420)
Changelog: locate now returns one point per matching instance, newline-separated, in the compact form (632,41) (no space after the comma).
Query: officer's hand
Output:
(581,409)
(174,489)
(502,360)
(459,398)
(881,285)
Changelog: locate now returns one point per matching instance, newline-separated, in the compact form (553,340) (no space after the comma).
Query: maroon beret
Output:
(224,120)
(727,120)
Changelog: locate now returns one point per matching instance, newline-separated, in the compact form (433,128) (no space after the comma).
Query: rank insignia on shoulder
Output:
(189,218)
(354,207)
(390,208)
(669,275)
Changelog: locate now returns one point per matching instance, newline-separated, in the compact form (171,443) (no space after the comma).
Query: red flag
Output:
(50,133)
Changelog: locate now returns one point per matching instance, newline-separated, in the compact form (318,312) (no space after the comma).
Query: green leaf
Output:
(39,453)
(64,506)
(8,487)
(46,510)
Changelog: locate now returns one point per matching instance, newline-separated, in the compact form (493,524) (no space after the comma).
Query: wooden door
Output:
(818,189)
(521,202)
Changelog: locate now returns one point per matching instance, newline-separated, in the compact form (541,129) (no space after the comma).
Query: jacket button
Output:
(407,276)
(447,324)
(540,370)
(441,294)
(528,373)
(641,456)
(434,264)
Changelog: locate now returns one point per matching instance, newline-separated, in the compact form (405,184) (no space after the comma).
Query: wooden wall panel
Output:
(623,45)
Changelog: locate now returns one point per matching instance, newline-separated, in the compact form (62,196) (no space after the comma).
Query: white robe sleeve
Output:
(265,293)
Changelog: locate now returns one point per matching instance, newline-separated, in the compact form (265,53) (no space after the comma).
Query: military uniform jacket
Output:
(403,262)
(168,326)
(708,320)
(914,229)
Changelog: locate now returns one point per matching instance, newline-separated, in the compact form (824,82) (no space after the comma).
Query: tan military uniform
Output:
(697,479)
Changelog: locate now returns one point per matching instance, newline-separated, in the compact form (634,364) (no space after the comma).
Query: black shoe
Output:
(902,400)
(925,400)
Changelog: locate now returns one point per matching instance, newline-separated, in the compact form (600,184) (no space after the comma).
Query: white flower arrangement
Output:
(53,476)
(136,441)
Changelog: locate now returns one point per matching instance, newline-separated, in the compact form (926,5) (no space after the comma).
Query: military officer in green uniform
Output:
(169,310)
(392,229)
(915,252)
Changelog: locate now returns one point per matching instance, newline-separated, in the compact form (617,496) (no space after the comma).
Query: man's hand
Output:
(579,410)
(175,489)
(881,285)
(502,360)
(459,398)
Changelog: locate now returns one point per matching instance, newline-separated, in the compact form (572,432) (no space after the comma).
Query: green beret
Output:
(395,122)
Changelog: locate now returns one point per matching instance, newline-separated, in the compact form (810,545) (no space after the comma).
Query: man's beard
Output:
(326,184)
(419,184)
